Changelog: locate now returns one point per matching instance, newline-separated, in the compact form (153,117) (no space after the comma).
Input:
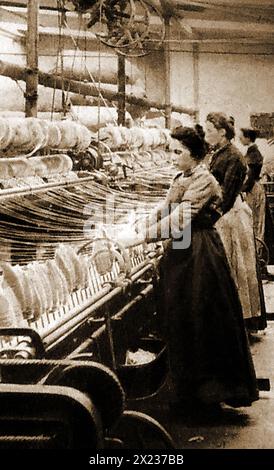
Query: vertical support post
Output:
(121,90)
(61,45)
(32,59)
(196,80)
(167,75)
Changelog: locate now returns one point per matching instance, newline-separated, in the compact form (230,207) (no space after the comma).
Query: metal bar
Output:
(85,345)
(23,191)
(86,310)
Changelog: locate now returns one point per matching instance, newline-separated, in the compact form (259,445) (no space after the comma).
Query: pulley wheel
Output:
(136,430)
(98,382)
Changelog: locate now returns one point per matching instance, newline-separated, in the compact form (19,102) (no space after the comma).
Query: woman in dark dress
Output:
(255,193)
(227,163)
(210,360)
(236,225)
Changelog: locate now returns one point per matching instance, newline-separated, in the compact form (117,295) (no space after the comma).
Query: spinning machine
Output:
(74,304)
(72,300)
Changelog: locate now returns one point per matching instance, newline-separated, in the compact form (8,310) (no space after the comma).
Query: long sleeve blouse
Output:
(229,168)
(189,195)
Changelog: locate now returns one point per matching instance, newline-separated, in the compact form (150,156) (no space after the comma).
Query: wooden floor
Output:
(242,428)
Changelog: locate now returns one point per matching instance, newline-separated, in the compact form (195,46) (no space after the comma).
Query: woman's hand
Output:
(129,237)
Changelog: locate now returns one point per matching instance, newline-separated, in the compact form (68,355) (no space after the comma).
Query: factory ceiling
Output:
(202,21)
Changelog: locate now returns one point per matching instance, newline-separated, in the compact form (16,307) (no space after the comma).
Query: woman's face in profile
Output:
(212,135)
(181,156)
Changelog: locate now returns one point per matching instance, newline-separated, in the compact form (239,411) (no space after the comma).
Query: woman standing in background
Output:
(255,194)
(236,225)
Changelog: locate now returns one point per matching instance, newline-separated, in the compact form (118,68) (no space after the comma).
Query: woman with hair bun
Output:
(254,190)
(210,361)
(262,219)
(256,198)
(227,163)
(236,225)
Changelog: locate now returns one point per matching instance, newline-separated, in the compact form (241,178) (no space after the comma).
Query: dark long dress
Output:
(256,198)
(255,193)
(209,353)
(236,230)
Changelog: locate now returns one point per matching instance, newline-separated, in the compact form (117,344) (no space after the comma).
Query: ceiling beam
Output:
(237,12)
(229,26)
(227,3)
(44,5)
(231,40)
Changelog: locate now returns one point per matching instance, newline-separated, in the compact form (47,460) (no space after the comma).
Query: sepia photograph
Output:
(137,230)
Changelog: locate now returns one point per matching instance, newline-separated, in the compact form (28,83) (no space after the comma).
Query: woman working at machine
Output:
(210,360)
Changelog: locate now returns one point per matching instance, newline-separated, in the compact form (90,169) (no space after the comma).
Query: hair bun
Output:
(191,139)
(200,131)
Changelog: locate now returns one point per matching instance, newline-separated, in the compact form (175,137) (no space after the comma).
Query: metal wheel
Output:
(97,381)
(136,430)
